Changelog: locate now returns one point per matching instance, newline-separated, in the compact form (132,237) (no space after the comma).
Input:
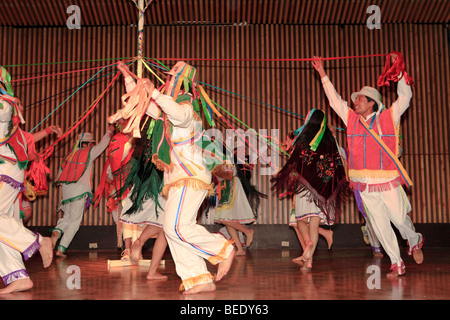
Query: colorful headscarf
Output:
(318,137)
(182,87)
(5,78)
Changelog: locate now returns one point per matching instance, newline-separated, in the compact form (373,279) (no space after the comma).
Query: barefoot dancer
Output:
(187,178)
(143,205)
(16,241)
(315,174)
(327,234)
(374,170)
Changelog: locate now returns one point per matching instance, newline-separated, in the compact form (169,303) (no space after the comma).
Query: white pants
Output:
(385,207)
(191,244)
(373,240)
(16,243)
(70,222)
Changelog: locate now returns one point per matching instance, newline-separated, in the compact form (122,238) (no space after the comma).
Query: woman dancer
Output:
(314,173)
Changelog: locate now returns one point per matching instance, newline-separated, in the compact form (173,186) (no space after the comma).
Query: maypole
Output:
(141,5)
(140,45)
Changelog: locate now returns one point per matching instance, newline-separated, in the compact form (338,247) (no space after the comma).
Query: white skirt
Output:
(236,208)
(305,209)
(147,216)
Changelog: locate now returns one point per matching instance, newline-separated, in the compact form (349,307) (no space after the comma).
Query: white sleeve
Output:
(101,146)
(180,115)
(339,106)
(402,103)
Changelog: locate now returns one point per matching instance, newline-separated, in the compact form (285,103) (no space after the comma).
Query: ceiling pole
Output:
(140,38)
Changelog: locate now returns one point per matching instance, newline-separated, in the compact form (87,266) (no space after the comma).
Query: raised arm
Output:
(404,93)
(336,102)
(180,115)
(103,144)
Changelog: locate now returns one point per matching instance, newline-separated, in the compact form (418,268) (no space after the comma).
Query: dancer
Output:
(238,202)
(187,178)
(314,173)
(17,243)
(75,179)
(120,152)
(373,167)
(287,146)
(144,205)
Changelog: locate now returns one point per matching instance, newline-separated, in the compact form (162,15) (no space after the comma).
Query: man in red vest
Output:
(373,168)
(75,178)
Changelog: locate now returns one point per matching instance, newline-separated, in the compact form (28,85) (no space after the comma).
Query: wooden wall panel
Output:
(264,95)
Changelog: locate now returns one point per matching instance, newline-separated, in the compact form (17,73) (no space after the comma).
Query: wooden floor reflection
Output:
(269,274)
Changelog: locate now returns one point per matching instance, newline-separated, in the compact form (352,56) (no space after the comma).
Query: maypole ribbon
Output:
(267,60)
(274,59)
(84,84)
(48,151)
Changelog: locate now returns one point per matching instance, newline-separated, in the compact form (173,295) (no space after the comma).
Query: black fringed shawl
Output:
(319,174)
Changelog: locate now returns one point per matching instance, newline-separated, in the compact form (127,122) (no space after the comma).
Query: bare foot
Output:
(18,285)
(307,265)
(299,261)
(240,253)
(418,256)
(55,237)
(156,276)
(225,265)
(46,251)
(249,236)
(205,287)
(136,249)
(307,253)
(125,255)
(60,254)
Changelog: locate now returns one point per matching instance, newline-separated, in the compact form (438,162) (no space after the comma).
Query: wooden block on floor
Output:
(120,263)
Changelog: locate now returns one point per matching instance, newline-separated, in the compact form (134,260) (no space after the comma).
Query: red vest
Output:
(18,143)
(116,151)
(74,166)
(366,158)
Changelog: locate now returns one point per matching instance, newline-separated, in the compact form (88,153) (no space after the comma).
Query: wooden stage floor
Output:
(264,274)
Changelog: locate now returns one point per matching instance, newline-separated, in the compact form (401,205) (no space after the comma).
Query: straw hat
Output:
(85,137)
